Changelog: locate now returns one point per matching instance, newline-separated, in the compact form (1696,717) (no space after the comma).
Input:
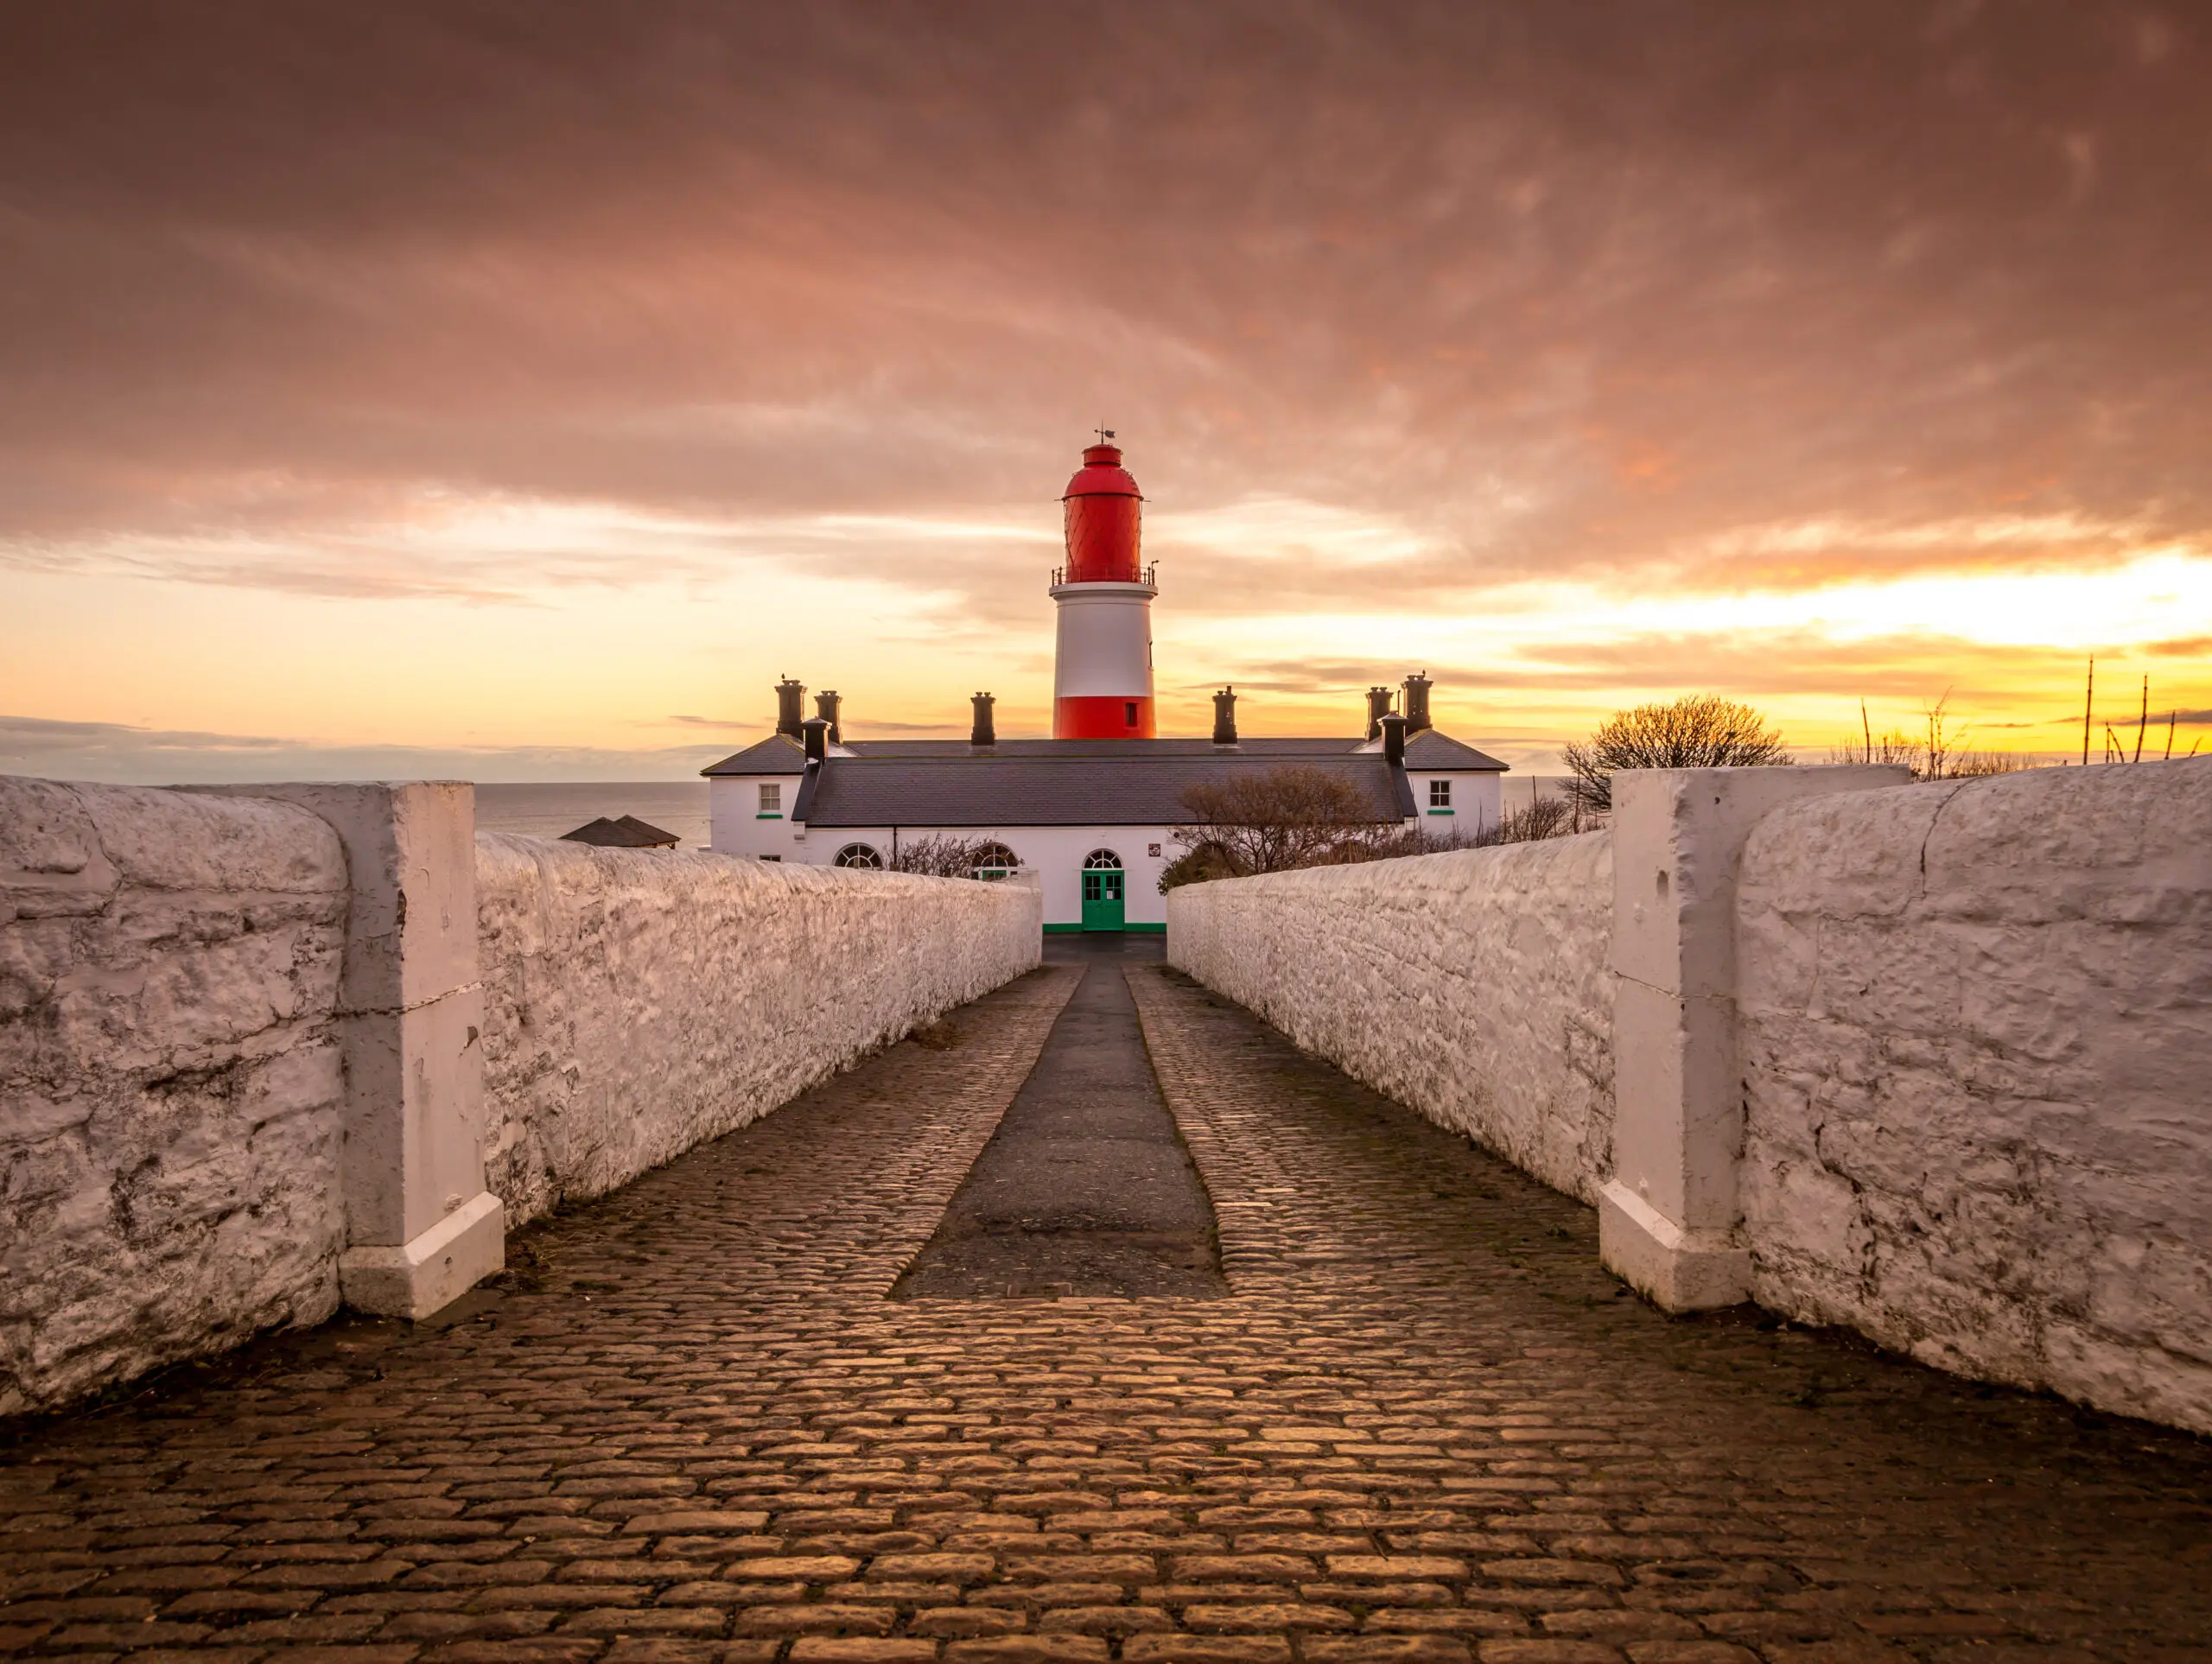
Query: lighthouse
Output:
(1096,825)
(1101,682)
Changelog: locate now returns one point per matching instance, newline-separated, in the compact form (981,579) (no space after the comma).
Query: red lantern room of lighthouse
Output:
(1102,686)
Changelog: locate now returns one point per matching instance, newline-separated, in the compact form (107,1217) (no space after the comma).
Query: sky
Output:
(517,391)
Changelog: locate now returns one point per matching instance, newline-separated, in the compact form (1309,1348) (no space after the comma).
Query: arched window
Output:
(1100,860)
(996,860)
(860,854)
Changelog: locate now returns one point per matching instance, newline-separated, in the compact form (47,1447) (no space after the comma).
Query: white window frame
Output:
(771,798)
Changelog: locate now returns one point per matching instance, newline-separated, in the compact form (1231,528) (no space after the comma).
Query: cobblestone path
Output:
(1422,1427)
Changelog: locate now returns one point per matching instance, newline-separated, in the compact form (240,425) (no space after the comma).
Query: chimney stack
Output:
(982,735)
(1378,703)
(1416,706)
(791,706)
(817,741)
(1393,739)
(1224,717)
(825,706)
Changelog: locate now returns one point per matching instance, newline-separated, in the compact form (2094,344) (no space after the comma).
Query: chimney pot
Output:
(818,741)
(1224,717)
(1378,702)
(1393,739)
(791,706)
(982,733)
(826,706)
(1416,705)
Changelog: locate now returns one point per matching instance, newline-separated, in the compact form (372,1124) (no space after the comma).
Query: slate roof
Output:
(774,755)
(1428,749)
(1092,786)
(627,833)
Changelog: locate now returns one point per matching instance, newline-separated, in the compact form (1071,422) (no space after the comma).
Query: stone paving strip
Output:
(1086,1187)
(1422,1426)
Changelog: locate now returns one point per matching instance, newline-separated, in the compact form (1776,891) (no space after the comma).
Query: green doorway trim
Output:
(1103,885)
(1101,898)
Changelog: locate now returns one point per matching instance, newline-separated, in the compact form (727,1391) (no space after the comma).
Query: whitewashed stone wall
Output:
(636,1002)
(1473,986)
(1976,1026)
(169,1082)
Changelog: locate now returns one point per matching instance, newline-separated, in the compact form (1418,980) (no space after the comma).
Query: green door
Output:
(1102,898)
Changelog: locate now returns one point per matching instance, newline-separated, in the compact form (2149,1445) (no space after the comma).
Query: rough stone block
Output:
(1972,1034)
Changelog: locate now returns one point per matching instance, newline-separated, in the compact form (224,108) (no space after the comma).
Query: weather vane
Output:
(1104,433)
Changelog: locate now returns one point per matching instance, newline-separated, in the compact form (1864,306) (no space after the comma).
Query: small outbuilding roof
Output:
(627,832)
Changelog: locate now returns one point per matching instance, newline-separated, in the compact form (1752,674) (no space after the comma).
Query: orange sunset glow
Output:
(515,392)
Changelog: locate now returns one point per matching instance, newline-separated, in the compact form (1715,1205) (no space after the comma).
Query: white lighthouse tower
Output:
(1102,683)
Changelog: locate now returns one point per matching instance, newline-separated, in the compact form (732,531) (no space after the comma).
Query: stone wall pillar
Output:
(1668,1220)
(422,1229)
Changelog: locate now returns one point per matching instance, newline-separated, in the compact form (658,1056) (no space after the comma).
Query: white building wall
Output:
(733,810)
(1475,800)
(1055,853)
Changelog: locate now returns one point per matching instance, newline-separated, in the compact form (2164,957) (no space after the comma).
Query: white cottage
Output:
(1094,819)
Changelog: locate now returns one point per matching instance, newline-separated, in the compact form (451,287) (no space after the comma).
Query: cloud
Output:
(1400,307)
(123,754)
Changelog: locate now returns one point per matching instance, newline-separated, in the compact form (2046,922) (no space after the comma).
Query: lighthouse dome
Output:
(1103,511)
(1102,475)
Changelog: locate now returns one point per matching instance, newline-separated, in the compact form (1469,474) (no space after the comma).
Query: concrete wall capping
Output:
(1924,1060)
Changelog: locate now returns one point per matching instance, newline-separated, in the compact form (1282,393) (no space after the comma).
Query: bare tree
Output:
(1696,731)
(1544,817)
(1295,814)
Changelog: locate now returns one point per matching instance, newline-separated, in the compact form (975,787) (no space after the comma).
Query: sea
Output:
(553,809)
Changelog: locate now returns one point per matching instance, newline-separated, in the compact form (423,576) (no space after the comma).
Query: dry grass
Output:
(1935,753)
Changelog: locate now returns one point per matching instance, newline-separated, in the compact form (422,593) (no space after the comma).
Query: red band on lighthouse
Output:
(1101,687)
